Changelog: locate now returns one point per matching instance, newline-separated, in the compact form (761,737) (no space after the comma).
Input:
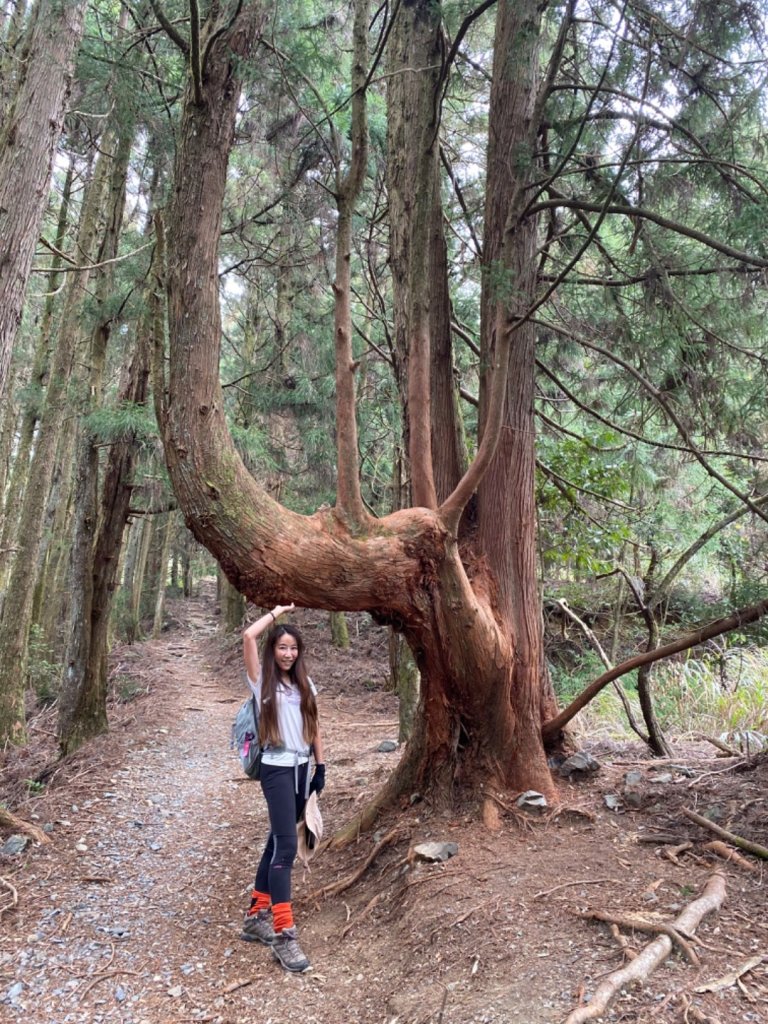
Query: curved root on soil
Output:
(653,954)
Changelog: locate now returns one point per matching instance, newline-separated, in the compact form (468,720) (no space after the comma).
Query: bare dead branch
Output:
(731,837)
(742,617)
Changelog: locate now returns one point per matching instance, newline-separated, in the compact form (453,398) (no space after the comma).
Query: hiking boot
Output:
(286,949)
(258,928)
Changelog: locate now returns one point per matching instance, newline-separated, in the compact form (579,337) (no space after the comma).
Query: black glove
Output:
(317,785)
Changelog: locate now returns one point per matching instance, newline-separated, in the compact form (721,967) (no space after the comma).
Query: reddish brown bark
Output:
(415,50)
(480,714)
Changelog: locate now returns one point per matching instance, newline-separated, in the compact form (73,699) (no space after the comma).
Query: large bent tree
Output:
(469,610)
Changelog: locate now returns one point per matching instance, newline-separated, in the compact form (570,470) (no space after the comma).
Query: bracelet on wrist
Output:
(273,616)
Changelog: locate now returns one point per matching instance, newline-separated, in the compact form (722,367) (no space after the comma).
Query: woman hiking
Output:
(289,735)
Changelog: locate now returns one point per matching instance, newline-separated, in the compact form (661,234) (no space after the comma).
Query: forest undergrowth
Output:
(128,908)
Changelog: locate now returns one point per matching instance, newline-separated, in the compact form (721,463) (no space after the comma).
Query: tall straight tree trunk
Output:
(506,496)
(418,251)
(162,576)
(28,139)
(50,604)
(137,597)
(417,247)
(81,711)
(232,607)
(10,415)
(17,609)
(38,378)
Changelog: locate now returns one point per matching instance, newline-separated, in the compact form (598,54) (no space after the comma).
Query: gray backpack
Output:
(245,737)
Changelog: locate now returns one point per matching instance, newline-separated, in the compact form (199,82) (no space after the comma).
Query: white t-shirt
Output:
(289,723)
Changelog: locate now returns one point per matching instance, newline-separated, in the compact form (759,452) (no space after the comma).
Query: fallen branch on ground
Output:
(104,976)
(241,983)
(731,837)
(565,885)
(653,954)
(732,977)
(673,853)
(718,743)
(11,821)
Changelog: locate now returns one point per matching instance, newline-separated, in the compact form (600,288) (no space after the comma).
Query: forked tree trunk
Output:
(481,687)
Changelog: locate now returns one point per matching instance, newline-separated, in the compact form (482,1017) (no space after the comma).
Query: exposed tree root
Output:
(724,851)
(653,954)
(335,888)
(12,895)
(623,943)
(743,844)
(11,821)
(674,853)
(363,913)
(642,924)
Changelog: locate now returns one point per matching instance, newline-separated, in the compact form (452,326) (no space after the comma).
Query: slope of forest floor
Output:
(131,912)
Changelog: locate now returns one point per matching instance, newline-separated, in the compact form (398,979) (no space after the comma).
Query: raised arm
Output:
(252,633)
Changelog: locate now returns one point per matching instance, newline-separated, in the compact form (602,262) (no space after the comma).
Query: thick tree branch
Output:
(742,617)
(169,29)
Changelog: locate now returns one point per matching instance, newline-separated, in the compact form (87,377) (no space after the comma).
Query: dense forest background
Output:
(637,201)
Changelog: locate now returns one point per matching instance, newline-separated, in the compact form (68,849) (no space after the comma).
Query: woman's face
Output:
(286,652)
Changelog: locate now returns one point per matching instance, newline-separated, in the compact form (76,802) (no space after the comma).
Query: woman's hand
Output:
(281,609)
(317,785)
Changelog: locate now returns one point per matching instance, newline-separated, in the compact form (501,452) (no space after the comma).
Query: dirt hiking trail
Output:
(131,912)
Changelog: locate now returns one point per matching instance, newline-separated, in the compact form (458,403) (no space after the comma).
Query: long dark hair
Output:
(269,731)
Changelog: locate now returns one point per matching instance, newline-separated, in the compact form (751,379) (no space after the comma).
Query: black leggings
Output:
(285,807)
